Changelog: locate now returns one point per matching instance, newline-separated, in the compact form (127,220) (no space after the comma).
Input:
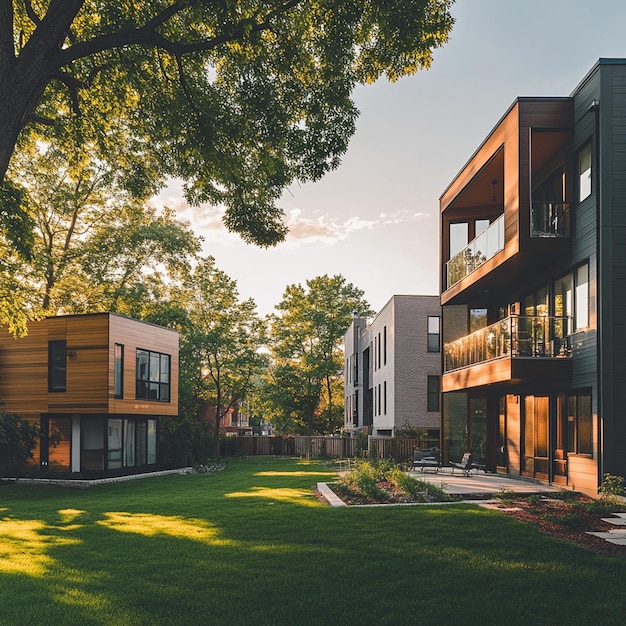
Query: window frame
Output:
(433,394)
(432,337)
(118,371)
(585,177)
(57,366)
(151,385)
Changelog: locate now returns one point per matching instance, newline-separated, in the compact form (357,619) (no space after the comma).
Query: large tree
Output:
(307,351)
(238,97)
(224,340)
(95,246)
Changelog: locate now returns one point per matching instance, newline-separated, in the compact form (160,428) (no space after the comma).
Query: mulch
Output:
(566,521)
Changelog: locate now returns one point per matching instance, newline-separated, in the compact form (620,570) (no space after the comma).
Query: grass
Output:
(251,545)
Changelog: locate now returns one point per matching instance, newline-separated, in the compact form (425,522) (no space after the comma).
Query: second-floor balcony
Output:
(514,337)
(479,250)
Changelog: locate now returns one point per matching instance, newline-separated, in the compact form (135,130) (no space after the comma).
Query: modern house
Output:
(392,368)
(533,277)
(97,385)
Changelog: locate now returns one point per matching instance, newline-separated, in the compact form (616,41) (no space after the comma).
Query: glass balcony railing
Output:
(479,250)
(550,219)
(517,336)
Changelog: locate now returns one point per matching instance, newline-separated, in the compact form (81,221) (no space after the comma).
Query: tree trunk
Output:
(23,79)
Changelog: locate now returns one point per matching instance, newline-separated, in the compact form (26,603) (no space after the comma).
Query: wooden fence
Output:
(399,450)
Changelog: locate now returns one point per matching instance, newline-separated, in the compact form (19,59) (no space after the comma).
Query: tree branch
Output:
(147,35)
(32,16)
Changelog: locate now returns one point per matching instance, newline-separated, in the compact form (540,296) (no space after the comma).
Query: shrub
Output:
(612,486)
(18,439)
(366,476)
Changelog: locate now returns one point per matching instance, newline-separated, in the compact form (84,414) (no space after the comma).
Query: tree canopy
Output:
(95,247)
(239,98)
(303,391)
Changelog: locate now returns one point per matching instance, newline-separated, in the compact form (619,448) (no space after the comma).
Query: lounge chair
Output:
(465,465)
(427,459)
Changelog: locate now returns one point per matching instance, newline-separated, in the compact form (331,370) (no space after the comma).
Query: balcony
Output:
(550,219)
(532,337)
(477,252)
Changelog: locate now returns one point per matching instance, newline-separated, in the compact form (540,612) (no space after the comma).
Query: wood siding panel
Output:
(133,335)
(89,375)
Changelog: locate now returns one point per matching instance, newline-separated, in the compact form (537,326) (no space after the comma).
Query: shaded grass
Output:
(251,545)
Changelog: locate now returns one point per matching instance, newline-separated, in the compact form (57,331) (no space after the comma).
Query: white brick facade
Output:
(388,365)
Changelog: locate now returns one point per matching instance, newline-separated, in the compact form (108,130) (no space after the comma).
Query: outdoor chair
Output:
(465,465)
(427,459)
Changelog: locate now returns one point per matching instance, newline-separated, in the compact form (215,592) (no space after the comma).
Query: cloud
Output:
(327,230)
(322,229)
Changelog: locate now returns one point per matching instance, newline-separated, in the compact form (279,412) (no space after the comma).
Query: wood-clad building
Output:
(97,385)
(533,251)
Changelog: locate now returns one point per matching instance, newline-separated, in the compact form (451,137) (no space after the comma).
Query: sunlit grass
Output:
(152,525)
(251,545)
(24,546)
(285,494)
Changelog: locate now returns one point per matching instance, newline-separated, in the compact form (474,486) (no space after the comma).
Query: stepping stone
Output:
(618,538)
(617,521)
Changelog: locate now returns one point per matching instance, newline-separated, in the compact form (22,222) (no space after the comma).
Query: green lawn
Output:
(250,545)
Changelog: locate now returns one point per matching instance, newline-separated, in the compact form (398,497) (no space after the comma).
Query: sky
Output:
(374,220)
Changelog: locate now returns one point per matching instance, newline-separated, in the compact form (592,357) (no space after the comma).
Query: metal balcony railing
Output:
(540,336)
(479,250)
(550,219)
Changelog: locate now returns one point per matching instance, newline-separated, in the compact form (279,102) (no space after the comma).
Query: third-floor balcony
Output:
(539,336)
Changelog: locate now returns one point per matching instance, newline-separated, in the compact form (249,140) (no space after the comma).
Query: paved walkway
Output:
(480,485)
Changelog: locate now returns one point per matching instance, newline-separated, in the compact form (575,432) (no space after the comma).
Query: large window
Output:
(433,333)
(57,356)
(584,172)
(153,376)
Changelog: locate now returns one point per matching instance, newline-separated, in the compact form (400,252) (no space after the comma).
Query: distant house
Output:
(235,423)
(392,368)
(533,244)
(97,385)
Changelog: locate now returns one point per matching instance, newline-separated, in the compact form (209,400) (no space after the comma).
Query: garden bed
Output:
(566,515)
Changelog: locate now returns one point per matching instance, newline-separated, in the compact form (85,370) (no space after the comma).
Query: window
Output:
(153,376)
(458,237)
(581,319)
(385,398)
(580,424)
(385,345)
(563,304)
(57,354)
(584,172)
(118,371)
(379,398)
(433,394)
(477,319)
(433,333)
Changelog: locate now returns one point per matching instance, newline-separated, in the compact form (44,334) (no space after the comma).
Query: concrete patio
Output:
(481,485)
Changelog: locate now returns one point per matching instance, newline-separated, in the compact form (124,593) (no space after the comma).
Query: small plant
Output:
(612,486)
(571,518)
(566,495)
(506,496)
